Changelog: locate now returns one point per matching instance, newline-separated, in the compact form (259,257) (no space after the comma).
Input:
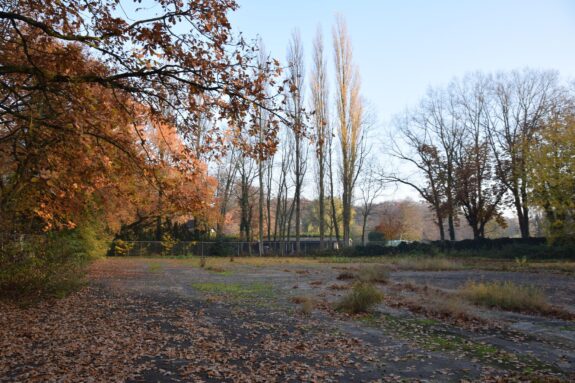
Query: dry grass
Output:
(506,296)
(346,276)
(426,263)
(336,287)
(563,266)
(307,304)
(361,299)
(374,274)
(216,269)
(433,302)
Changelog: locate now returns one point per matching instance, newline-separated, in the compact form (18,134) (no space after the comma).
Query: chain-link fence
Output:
(21,242)
(214,248)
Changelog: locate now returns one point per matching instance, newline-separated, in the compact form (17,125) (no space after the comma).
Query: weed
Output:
(361,299)
(374,273)
(218,270)
(506,295)
(306,307)
(306,304)
(154,268)
(426,263)
(236,290)
(345,276)
(338,287)
(521,261)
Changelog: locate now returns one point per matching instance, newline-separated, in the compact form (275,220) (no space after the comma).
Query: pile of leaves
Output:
(103,336)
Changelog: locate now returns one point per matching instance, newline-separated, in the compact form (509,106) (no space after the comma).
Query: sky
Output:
(404,47)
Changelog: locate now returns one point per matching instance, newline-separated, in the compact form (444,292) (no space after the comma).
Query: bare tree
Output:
(282,208)
(479,194)
(335,218)
(415,148)
(247,172)
(350,120)
(438,113)
(226,175)
(522,101)
(264,154)
(320,102)
(296,116)
(371,188)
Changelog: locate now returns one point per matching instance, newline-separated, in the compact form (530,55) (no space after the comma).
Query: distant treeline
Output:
(510,248)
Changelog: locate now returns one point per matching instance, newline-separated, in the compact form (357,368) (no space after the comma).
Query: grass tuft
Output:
(374,274)
(307,304)
(361,299)
(345,276)
(506,296)
(426,263)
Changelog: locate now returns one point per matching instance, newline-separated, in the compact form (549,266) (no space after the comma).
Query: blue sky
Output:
(403,47)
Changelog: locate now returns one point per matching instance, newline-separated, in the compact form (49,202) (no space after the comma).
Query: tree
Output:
(323,133)
(226,172)
(552,165)
(247,173)
(350,121)
(76,71)
(522,102)
(400,220)
(371,189)
(296,116)
(263,155)
(416,148)
(478,193)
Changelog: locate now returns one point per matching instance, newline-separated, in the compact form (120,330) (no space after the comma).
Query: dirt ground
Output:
(168,320)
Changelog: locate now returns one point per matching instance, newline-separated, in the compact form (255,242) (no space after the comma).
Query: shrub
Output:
(168,243)
(506,295)
(35,266)
(361,299)
(121,248)
(221,248)
(374,273)
(375,236)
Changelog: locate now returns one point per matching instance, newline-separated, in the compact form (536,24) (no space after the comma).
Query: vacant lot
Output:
(271,319)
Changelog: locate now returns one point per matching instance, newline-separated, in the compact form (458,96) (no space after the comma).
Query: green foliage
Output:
(361,299)
(121,247)
(375,236)
(36,266)
(221,248)
(168,243)
(553,164)
(521,261)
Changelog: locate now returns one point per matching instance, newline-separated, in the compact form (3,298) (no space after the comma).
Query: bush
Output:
(121,248)
(361,299)
(375,236)
(221,249)
(168,243)
(506,296)
(36,266)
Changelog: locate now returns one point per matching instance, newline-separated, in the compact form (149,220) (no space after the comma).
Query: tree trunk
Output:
(261,210)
